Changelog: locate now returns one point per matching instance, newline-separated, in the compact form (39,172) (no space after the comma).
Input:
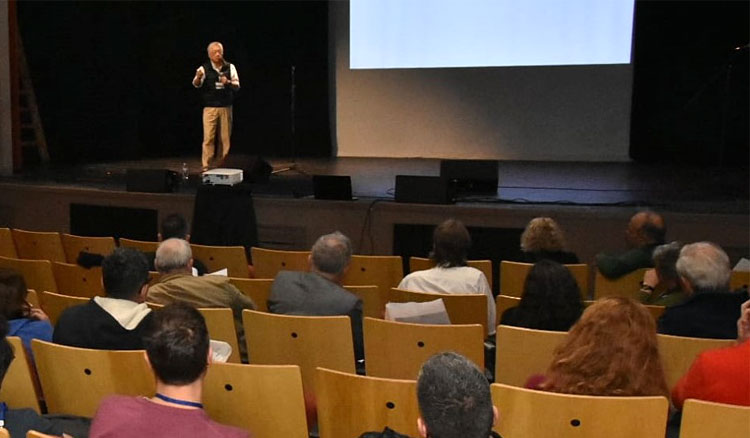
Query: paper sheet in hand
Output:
(429,312)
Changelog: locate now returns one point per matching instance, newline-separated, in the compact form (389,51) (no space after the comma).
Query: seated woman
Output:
(610,351)
(551,299)
(24,321)
(661,285)
(450,245)
(543,239)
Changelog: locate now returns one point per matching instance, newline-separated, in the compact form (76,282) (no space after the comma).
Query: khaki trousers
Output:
(213,118)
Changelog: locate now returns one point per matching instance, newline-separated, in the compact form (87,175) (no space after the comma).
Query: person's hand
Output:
(743,324)
(38,314)
(224,79)
(199,73)
(650,278)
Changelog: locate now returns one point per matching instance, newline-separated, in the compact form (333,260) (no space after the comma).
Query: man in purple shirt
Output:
(177,345)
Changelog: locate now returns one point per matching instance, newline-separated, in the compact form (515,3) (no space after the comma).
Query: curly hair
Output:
(542,234)
(551,298)
(611,351)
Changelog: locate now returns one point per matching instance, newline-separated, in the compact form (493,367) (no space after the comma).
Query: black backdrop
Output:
(113,78)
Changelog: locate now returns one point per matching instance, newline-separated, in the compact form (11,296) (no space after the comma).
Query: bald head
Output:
(331,254)
(646,228)
(173,255)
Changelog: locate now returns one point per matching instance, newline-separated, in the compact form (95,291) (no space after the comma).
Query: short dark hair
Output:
(6,350)
(551,298)
(174,225)
(454,398)
(13,294)
(177,343)
(450,244)
(124,272)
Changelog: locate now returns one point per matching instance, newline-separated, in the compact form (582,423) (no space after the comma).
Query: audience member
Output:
(454,399)
(19,421)
(543,239)
(551,299)
(24,320)
(114,322)
(450,245)
(177,347)
(661,286)
(174,261)
(645,231)
(710,310)
(319,292)
(175,226)
(721,375)
(611,351)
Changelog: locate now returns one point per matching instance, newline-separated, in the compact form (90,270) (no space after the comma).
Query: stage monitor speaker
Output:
(152,180)
(254,168)
(332,187)
(471,176)
(423,190)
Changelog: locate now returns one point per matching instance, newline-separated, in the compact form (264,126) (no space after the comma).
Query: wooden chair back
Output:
(701,419)
(527,413)
(35,434)
(264,399)
(38,245)
(522,352)
(373,300)
(306,341)
(220,324)
(37,274)
(678,352)
(461,308)
(75,380)
(503,303)
(233,258)
(629,285)
(33,298)
(268,262)
(154,306)
(75,280)
(73,245)
(153,277)
(655,311)
(349,405)
(423,264)
(383,271)
(19,389)
(55,304)
(140,245)
(513,277)
(258,289)
(7,247)
(739,280)
(397,350)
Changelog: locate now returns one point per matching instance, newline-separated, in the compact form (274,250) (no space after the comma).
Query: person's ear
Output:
(143,293)
(187,237)
(309,263)
(190,264)
(685,285)
(159,237)
(421,427)
(210,358)
(495,416)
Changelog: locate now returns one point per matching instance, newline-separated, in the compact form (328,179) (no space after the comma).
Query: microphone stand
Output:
(292,125)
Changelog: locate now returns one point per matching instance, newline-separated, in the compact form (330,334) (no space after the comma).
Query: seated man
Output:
(19,421)
(721,375)
(646,230)
(319,292)
(450,246)
(177,347)
(114,322)
(710,310)
(174,261)
(454,399)
(175,226)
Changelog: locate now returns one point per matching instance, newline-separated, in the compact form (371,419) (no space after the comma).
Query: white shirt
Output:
(456,280)
(233,77)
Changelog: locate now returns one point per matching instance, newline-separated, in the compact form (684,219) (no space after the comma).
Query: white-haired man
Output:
(711,311)
(218,80)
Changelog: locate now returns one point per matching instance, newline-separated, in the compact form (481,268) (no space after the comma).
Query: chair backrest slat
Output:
(38,245)
(73,245)
(268,262)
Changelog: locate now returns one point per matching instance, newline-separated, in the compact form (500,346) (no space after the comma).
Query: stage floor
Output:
(663,187)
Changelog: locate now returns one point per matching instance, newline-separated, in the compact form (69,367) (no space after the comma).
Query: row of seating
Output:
(269,401)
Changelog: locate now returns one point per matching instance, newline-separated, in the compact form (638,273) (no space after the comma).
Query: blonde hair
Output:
(611,351)
(542,234)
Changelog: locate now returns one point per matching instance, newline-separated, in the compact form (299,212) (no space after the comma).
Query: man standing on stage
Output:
(218,81)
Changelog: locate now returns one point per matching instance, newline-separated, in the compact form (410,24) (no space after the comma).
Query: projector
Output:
(222,177)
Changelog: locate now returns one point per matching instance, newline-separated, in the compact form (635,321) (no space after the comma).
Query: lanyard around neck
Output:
(178,401)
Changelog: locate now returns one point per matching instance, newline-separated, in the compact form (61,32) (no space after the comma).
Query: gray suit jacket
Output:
(309,294)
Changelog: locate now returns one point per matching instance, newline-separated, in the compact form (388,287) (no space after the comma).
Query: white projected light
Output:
(485,33)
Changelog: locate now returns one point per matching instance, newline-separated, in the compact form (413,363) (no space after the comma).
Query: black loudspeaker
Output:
(471,176)
(152,180)
(423,190)
(332,187)
(254,168)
